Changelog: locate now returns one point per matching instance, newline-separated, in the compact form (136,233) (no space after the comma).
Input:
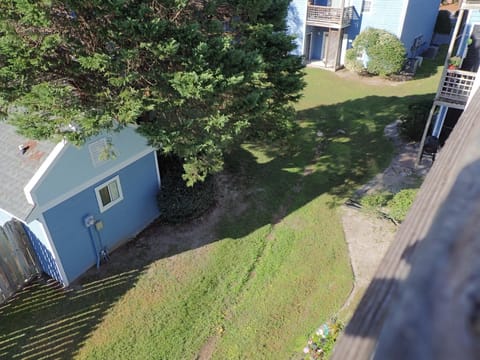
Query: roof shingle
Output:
(17,168)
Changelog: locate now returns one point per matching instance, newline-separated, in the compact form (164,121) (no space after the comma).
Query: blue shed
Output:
(78,203)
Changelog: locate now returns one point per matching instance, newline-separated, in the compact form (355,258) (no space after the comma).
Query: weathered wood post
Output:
(424,301)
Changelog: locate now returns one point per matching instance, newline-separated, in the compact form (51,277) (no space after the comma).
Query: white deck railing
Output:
(329,16)
(456,86)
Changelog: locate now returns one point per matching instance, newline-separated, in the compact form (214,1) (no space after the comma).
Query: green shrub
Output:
(385,52)
(400,204)
(352,63)
(413,122)
(178,202)
(375,201)
(443,25)
(321,344)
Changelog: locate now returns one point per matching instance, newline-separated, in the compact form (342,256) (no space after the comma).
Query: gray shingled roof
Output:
(16,169)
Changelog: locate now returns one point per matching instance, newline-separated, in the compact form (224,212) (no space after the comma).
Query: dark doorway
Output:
(451,120)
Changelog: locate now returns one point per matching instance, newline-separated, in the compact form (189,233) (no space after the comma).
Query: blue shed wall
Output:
(75,167)
(419,20)
(40,243)
(138,208)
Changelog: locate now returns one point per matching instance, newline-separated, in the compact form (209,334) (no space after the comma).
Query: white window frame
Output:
(367,9)
(102,207)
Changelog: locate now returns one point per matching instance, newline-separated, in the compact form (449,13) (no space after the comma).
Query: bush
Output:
(375,201)
(178,202)
(413,122)
(443,25)
(401,203)
(385,52)
(352,63)
(321,344)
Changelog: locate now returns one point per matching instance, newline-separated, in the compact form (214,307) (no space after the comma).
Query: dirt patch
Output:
(368,239)
(367,236)
(369,80)
(208,348)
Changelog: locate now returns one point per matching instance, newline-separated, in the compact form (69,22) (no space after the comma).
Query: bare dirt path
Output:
(368,237)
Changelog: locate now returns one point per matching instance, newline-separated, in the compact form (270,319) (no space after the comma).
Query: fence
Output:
(18,262)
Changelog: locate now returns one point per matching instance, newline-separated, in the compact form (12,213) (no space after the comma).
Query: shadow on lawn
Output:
(337,149)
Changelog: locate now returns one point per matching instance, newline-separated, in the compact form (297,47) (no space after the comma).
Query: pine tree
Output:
(197,76)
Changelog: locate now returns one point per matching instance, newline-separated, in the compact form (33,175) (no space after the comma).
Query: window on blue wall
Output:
(101,151)
(109,193)
(367,6)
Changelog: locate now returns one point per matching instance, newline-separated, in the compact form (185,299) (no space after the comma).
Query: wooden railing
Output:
(456,87)
(471,4)
(423,302)
(329,16)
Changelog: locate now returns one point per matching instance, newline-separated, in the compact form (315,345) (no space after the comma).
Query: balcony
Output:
(470,4)
(327,16)
(456,88)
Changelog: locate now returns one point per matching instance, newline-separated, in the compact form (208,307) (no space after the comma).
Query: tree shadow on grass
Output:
(338,148)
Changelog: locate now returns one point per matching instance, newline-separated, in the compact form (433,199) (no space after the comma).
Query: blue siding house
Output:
(458,83)
(77,204)
(325,29)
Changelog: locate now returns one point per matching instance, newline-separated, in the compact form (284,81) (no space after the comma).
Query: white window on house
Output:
(367,6)
(101,151)
(109,193)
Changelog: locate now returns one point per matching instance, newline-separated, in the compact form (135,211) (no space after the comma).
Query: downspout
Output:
(94,245)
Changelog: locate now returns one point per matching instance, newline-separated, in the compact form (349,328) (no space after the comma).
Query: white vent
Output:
(101,151)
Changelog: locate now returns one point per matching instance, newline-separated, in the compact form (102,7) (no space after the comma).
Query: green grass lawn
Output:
(273,273)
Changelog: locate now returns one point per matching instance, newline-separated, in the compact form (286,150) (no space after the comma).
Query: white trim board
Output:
(155,154)
(403,16)
(43,170)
